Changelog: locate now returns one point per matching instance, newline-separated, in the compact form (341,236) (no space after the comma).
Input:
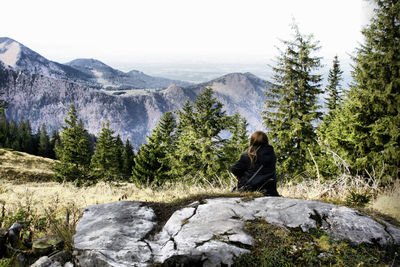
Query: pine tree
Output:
(105,163)
(12,140)
(3,104)
(199,146)
(327,164)
(366,132)
(127,160)
(119,150)
(239,140)
(44,146)
(3,122)
(291,105)
(4,129)
(74,151)
(24,137)
(333,89)
(151,165)
(54,143)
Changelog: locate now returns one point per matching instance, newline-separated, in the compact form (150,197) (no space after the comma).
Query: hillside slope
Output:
(20,167)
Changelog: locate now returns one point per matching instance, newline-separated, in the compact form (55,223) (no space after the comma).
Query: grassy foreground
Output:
(47,207)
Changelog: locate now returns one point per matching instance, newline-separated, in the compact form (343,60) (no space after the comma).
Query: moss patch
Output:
(277,246)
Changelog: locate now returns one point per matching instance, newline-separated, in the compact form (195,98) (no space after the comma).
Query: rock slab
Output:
(113,235)
(209,233)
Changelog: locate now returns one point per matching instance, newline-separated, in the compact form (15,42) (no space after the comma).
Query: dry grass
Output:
(385,200)
(21,167)
(25,182)
(58,198)
(388,201)
(18,171)
(47,194)
(331,190)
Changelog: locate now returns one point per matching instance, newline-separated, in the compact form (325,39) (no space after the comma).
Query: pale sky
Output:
(118,31)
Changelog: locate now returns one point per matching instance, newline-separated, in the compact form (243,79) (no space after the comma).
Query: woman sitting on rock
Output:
(255,169)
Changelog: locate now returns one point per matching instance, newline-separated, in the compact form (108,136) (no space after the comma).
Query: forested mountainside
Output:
(44,99)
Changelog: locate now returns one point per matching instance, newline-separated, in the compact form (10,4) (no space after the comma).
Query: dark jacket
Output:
(265,179)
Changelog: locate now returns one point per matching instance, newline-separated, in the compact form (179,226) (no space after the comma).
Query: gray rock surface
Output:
(113,235)
(209,233)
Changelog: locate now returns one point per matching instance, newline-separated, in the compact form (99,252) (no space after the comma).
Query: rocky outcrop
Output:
(209,233)
(114,235)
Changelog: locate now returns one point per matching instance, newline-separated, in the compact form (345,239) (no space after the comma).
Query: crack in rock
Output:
(236,216)
(393,231)
(320,219)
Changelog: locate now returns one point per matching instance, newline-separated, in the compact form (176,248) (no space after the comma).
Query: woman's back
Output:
(255,170)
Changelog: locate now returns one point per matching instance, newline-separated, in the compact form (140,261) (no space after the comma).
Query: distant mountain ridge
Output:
(20,57)
(239,92)
(46,98)
(88,72)
(110,78)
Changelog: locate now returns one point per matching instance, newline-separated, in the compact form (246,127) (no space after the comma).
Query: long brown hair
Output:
(257,139)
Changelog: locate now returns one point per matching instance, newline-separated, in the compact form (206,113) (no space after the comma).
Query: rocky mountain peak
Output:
(90,64)
(9,51)
(238,85)
(87,62)
(22,58)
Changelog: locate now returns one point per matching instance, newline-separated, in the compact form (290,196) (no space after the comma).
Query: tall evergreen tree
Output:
(151,165)
(25,138)
(199,146)
(74,151)
(367,130)
(105,161)
(44,146)
(12,140)
(333,89)
(3,121)
(127,160)
(328,166)
(4,129)
(239,140)
(291,105)
(3,103)
(54,142)
(119,151)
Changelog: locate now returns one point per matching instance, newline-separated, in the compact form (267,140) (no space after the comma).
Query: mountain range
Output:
(42,90)
(88,72)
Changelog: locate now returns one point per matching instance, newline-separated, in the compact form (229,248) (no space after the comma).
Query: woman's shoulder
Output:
(266,149)
(244,156)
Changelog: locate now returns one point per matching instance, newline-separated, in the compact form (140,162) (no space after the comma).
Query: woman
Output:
(255,169)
